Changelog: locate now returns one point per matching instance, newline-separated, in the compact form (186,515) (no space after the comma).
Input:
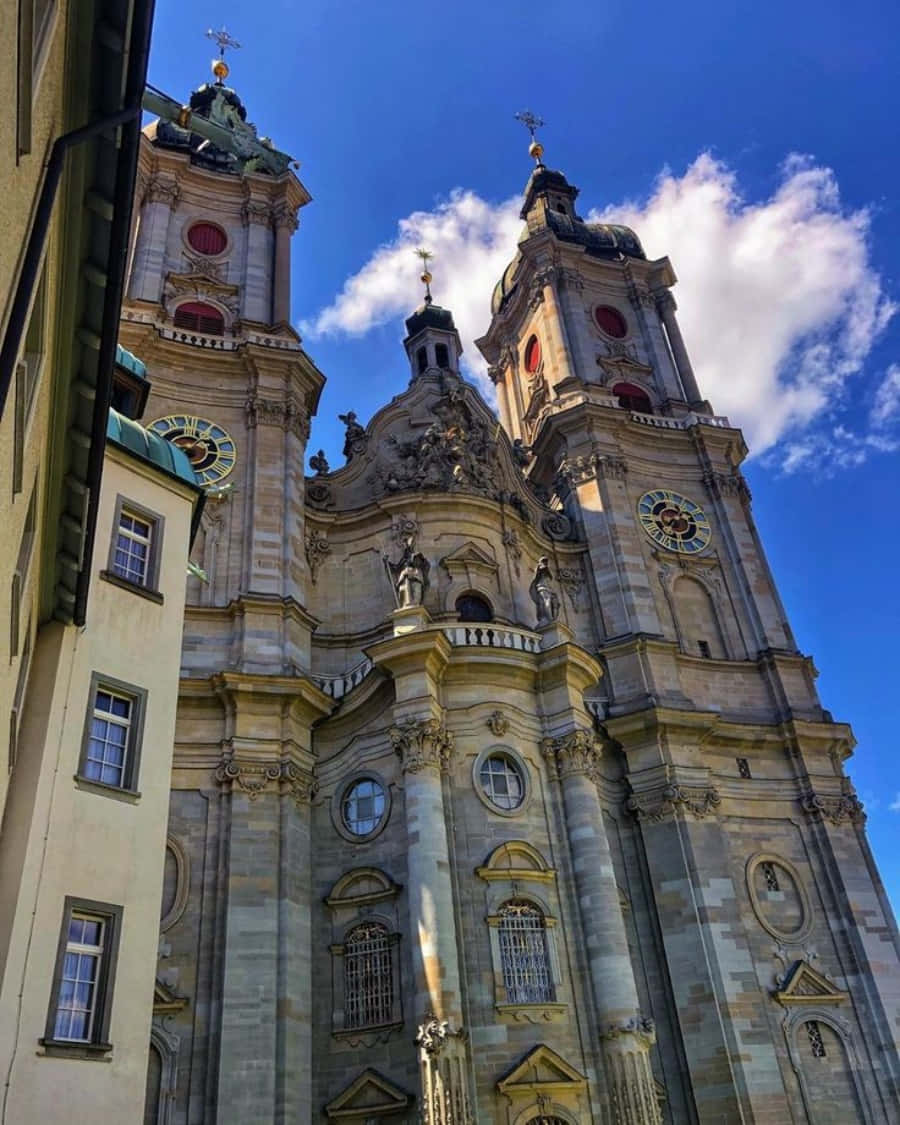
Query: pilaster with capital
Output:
(148,268)
(285,218)
(665,304)
(626,1037)
(260,258)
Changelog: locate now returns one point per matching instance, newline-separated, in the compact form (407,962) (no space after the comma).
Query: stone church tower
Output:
(501,792)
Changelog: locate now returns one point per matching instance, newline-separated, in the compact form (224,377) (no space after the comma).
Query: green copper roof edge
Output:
(156,451)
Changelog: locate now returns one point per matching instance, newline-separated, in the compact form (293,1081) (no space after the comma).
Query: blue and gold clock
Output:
(673,521)
(210,447)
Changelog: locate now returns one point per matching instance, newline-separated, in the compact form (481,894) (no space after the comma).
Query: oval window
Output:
(363,806)
(502,782)
(532,355)
(207,238)
(611,321)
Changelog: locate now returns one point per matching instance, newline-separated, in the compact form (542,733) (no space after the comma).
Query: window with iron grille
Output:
(771,876)
(815,1039)
(368,977)
(524,956)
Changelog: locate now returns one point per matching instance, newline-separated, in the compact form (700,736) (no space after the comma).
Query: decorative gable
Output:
(802,984)
(370,1094)
(542,1071)
(470,565)
(516,861)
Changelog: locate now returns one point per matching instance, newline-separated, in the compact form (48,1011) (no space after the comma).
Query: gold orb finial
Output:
(532,123)
(425,278)
(222,40)
(220,69)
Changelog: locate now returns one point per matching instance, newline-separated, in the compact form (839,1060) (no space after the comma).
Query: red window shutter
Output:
(207,238)
(200,317)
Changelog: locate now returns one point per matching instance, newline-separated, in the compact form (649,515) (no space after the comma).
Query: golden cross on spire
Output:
(532,123)
(426,257)
(223,39)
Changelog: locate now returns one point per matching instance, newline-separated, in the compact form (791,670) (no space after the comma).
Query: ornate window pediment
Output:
(802,984)
(369,1095)
(469,563)
(361,887)
(516,862)
(165,1001)
(543,1086)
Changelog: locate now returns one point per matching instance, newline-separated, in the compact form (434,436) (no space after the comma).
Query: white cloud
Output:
(886,404)
(894,806)
(779,302)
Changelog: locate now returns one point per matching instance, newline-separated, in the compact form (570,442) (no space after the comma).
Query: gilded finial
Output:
(532,123)
(219,66)
(426,257)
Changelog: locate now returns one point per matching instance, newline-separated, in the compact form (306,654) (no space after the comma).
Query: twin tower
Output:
(501,792)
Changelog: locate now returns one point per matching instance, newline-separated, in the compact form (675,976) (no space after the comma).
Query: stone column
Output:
(665,304)
(149,262)
(626,1036)
(545,284)
(257,298)
(425,748)
(285,225)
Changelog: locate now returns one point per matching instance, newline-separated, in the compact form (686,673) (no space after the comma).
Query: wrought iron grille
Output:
(815,1039)
(771,877)
(523,954)
(368,977)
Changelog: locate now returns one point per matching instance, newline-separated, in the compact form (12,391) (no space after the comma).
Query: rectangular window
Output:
(134,539)
(81,997)
(28,371)
(110,753)
(704,649)
(135,550)
(743,767)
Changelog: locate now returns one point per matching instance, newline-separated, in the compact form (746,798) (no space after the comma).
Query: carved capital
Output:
(578,752)
(298,783)
(285,216)
(422,744)
(256,211)
(287,413)
(434,1034)
(640,1028)
(665,302)
(632,1090)
(163,189)
(727,484)
(253,778)
(837,808)
(657,804)
(577,470)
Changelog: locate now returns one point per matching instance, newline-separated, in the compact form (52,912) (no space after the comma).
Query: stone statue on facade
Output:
(355,438)
(543,595)
(319,463)
(521,453)
(409,576)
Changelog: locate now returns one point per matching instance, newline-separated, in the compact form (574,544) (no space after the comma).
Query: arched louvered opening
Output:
(200,317)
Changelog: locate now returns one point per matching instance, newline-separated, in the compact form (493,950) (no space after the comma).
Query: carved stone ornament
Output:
(319,463)
(205,267)
(837,808)
(434,1033)
(161,189)
(572,582)
(317,548)
(443,1069)
(256,211)
(727,484)
(658,804)
(498,723)
(404,528)
(254,778)
(422,744)
(577,470)
(557,526)
(409,576)
(642,1027)
(513,547)
(578,752)
(284,215)
(319,494)
(287,413)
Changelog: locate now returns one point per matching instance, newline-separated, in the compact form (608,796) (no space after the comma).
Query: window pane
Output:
(363,807)
(523,954)
(502,782)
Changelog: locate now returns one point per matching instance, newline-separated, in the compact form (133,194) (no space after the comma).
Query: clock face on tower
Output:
(210,448)
(673,521)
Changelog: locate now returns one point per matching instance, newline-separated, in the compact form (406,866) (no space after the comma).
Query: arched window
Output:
(698,622)
(442,356)
(368,977)
(472,607)
(532,355)
(200,317)
(524,957)
(207,238)
(632,397)
(154,1086)
(421,360)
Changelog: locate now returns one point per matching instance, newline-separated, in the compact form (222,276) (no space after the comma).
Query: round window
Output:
(532,355)
(611,321)
(207,238)
(502,782)
(363,806)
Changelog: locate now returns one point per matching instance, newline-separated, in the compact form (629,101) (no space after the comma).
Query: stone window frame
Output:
(150,587)
(339,1001)
(802,931)
(794,1029)
(195,220)
(521,764)
(600,332)
(337,801)
(139,697)
(98,1046)
(508,1010)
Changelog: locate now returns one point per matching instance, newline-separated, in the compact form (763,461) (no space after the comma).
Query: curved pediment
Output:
(515,861)
(438,436)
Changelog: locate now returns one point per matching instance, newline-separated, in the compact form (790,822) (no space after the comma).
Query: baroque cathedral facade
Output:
(501,791)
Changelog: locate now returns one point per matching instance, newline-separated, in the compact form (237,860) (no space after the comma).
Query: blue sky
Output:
(755,143)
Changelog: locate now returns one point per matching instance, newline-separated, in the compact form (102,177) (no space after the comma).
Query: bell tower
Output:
(208,309)
(726,752)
